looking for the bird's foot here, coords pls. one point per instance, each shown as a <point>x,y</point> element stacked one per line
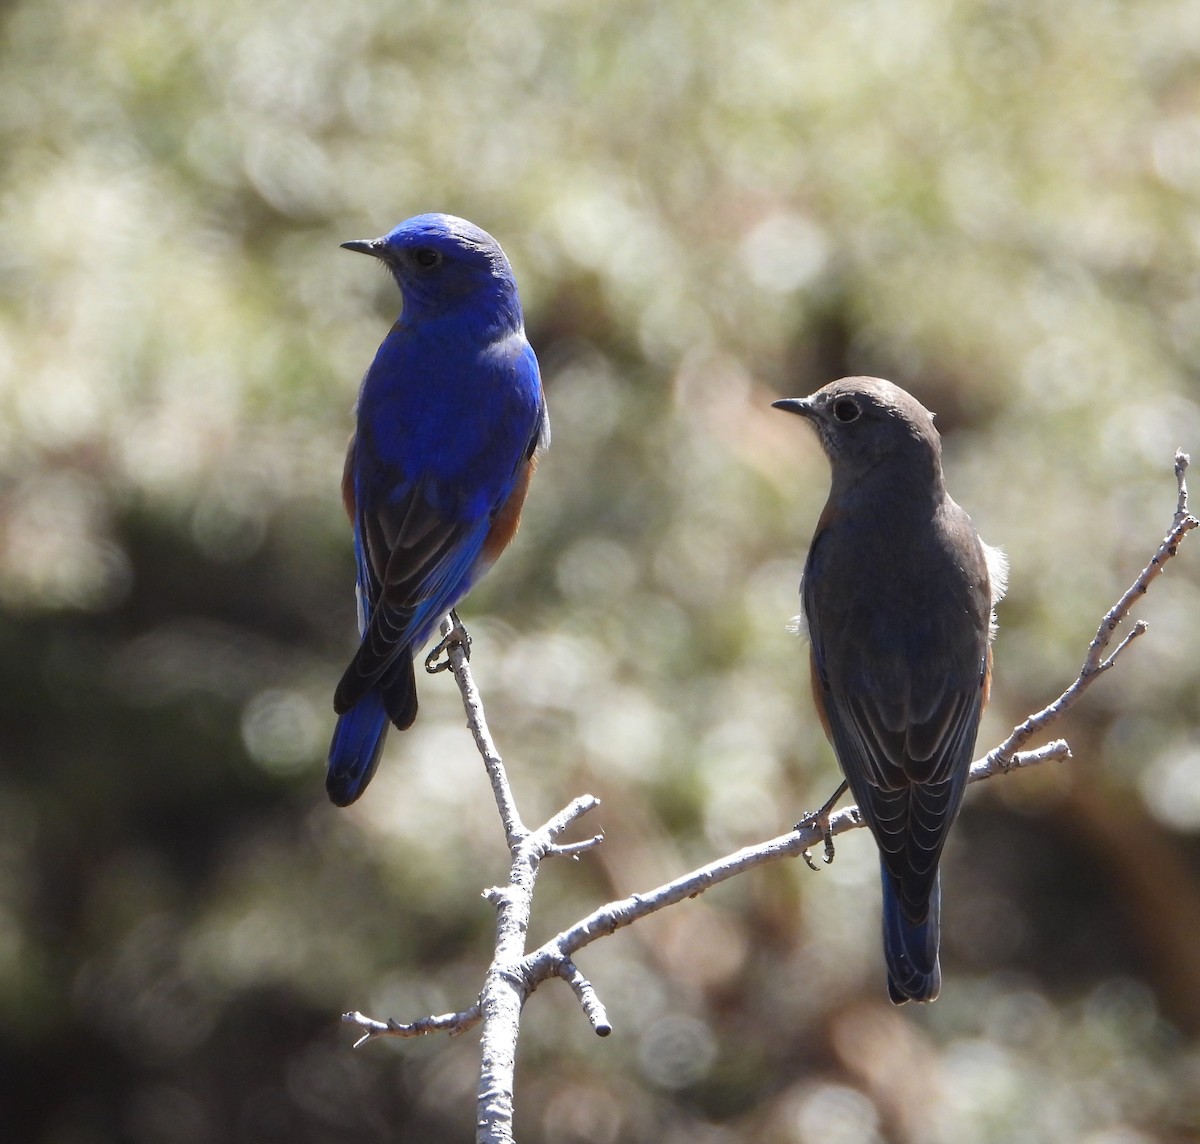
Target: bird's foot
<point>457,636</point>
<point>820,820</point>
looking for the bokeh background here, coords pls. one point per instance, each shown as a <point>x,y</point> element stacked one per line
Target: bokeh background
<point>996,204</point>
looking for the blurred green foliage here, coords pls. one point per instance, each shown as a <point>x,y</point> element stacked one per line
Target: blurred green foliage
<point>996,204</point>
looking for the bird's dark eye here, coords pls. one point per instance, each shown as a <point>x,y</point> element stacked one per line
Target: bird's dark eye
<point>426,257</point>
<point>846,410</point>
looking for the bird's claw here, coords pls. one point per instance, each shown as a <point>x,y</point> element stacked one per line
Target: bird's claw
<point>826,834</point>
<point>457,636</point>
<point>820,819</point>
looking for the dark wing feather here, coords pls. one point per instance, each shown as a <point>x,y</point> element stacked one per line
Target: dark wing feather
<point>909,817</point>
<point>412,560</point>
<point>905,756</point>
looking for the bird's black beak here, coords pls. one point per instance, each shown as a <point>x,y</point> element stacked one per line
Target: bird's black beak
<point>373,246</point>
<point>800,405</point>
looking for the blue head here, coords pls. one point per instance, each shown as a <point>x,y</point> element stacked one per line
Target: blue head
<point>441,262</point>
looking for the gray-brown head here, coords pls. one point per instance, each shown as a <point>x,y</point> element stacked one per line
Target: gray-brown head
<point>863,421</point>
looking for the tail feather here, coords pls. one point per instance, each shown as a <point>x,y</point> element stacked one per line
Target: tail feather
<point>911,947</point>
<point>357,744</point>
<point>399,688</point>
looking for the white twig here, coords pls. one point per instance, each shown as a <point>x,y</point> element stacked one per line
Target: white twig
<point>505,986</point>
<point>440,1023</point>
<point>573,850</point>
<point>589,999</point>
<point>458,656</point>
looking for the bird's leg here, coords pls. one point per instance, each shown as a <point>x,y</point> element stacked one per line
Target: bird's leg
<point>456,636</point>
<point>820,819</point>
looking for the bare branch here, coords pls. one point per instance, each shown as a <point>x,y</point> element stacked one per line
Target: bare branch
<point>593,1007</point>
<point>616,915</point>
<point>442,1023</point>
<point>1095,664</point>
<point>457,653</point>
<point>507,984</point>
<point>573,850</point>
<point>514,974</point>
<point>1182,460</point>
<point>992,763</point>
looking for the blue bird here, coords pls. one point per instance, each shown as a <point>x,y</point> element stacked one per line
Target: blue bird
<point>450,422</point>
<point>898,596</point>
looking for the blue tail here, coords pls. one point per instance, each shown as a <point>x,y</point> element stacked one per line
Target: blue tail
<point>356,747</point>
<point>911,949</point>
